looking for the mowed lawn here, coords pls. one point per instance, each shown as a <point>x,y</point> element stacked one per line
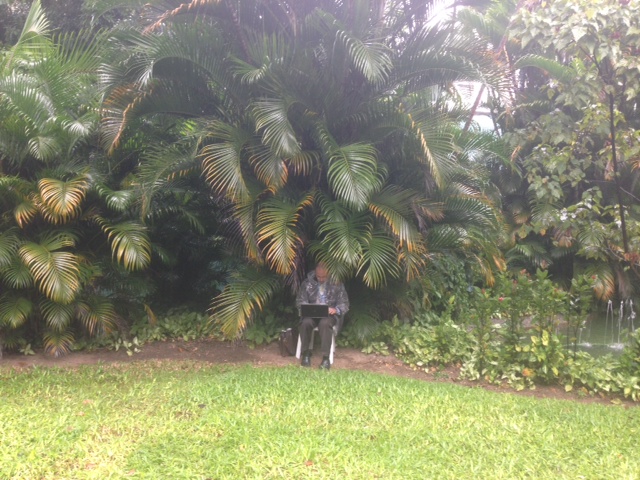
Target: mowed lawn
<point>177,420</point>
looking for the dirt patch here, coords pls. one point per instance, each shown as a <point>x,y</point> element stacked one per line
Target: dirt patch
<point>216,352</point>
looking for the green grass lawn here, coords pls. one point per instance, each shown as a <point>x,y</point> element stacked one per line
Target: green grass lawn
<point>194,421</point>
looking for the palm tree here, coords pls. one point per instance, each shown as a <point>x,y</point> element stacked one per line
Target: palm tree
<point>326,129</point>
<point>55,197</point>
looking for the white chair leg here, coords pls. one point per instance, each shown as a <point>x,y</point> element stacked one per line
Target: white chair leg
<point>299,347</point>
<point>333,345</point>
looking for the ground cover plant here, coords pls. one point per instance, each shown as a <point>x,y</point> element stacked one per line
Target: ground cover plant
<point>192,420</point>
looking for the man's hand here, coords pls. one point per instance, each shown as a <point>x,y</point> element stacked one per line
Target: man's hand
<point>332,311</point>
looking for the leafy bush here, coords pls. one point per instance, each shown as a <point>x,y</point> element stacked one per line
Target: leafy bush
<point>429,341</point>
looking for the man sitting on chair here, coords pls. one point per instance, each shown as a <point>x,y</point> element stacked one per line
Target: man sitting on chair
<point>320,288</point>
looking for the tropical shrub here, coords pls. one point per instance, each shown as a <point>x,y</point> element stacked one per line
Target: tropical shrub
<point>61,218</point>
<point>326,131</point>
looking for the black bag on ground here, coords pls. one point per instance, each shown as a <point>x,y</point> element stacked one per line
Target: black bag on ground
<point>288,342</point>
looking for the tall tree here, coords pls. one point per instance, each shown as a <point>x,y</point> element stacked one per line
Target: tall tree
<point>582,168</point>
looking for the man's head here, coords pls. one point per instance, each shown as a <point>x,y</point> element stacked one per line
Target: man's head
<point>322,274</point>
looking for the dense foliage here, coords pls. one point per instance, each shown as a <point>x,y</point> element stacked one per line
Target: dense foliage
<point>218,149</point>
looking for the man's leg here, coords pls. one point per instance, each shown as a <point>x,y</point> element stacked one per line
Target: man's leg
<point>306,327</point>
<point>326,336</point>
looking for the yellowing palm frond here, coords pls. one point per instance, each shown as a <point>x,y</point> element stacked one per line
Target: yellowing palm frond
<point>96,313</point>
<point>25,212</point>
<point>278,228</point>
<point>247,292</point>
<point>58,343</point>
<point>130,244</point>
<point>222,161</point>
<point>393,205</point>
<point>55,272</point>
<point>62,200</point>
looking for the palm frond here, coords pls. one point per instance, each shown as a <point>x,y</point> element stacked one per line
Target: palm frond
<point>116,200</point>
<point>393,205</point>
<point>57,316</point>
<point>25,212</point>
<point>58,343</point>
<point>32,39</point>
<point>96,314</point>
<point>16,274</point>
<point>9,243</point>
<point>604,284</point>
<point>379,260</point>
<point>272,119</point>
<point>222,161</point>
<point>278,228</point>
<point>371,59</point>
<point>62,200</point>
<point>557,70</point>
<point>353,174</point>
<point>14,310</point>
<point>270,169</point>
<point>55,272</point>
<point>341,235</point>
<point>130,244</point>
<point>246,293</point>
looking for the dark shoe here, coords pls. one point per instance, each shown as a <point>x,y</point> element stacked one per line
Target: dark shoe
<point>325,365</point>
<point>306,359</point>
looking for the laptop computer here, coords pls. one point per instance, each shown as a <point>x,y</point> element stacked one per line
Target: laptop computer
<point>314,310</point>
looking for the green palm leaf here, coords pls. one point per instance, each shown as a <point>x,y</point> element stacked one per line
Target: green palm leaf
<point>16,274</point>
<point>57,316</point>
<point>130,244</point>
<point>9,243</point>
<point>379,260</point>
<point>32,39</point>
<point>247,292</point>
<point>277,132</point>
<point>117,200</point>
<point>56,273</point>
<point>14,310</point>
<point>341,235</point>
<point>278,228</point>
<point>270,169</point>
<point>222,161</point>
<point>353,174</point>
<point>371,59</point>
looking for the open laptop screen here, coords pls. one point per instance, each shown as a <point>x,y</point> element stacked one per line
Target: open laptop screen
<point>314,310</point>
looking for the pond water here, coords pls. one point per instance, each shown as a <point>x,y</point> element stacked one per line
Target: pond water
<point>608,333</point>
